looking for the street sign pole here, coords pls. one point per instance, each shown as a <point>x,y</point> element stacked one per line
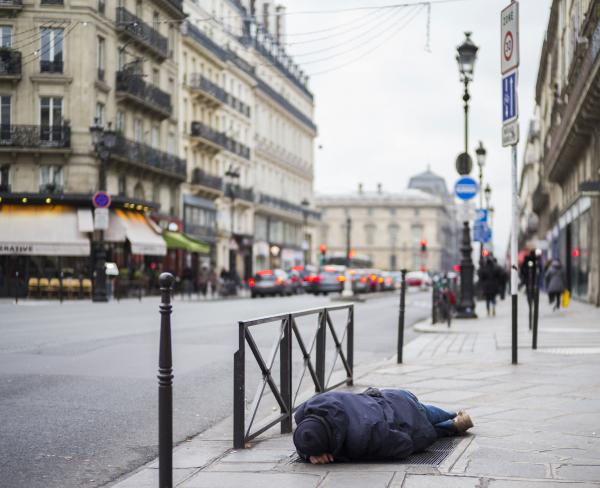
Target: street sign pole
<point>509,64</point>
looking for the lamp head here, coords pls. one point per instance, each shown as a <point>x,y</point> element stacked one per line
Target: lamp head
<point>481,154</point>
<point>466,57</point>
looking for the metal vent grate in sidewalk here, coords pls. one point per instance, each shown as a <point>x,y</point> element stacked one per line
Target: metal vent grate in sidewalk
<point>434,455</point>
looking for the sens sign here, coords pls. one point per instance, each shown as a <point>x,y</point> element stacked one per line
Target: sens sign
<point>509,28</point>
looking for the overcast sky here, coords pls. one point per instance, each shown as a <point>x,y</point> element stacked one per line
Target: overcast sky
<point>398,109</point>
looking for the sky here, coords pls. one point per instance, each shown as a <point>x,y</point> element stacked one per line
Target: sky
<point>395,108</point>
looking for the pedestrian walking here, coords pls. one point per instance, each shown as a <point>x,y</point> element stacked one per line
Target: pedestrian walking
<point>502,278</point>
<point>393,425</point>
<point>489,280</point>
<point>555,283</point>
<point>213,280</point>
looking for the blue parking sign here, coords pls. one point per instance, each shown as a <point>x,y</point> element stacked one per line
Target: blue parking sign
<point>509,97</point>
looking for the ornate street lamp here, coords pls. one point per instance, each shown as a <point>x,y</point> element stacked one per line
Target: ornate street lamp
<point>104,142</point>
<point>466,57</point>
<point>481,153</point>
<point>488,195</point>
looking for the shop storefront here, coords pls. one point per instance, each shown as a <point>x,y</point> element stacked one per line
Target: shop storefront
<point>40,244</point>
<point>570,241</point>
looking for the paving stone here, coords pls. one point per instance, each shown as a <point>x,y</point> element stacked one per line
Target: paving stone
<point>420,481</point>
<point>538,484</point>
<point>578,472</point>
<point>492,468</point>
<point>257,456</point>
<point>148,478</point>
<point>251,480</point>
<point>357,480</point>
<point>242,467</point>
<point>196,454</point>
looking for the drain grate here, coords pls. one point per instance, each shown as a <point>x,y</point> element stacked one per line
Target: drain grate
<point>434,455</point>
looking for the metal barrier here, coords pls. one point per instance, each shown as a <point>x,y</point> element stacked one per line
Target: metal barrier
<point>283,344</point>
<point>401,317</point>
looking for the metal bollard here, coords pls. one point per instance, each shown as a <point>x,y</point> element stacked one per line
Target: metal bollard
<point>536,305</point>
<point>434,307</point>
<point>529,290</point>
<point>16,287</point>
<point>165,386</point>
<point>60,289</point>
<point>401,316</point>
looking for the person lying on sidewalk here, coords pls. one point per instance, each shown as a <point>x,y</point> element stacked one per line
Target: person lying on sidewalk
<point>387,424</point>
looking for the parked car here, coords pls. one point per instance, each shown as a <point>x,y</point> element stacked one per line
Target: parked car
<point>418,279</point>
<point>303,272</point>
<point>270,282</point>
<point>360,281</point>
<point>389,282</point>
<point>329,280</point>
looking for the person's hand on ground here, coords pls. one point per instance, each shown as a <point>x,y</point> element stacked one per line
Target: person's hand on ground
<point>322,459</point>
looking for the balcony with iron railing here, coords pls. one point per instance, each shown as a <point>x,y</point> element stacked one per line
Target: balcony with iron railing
<point>51,66</point>
<point>203,233</point>
<point>203,40</point>
<point>208,90</point>
<point>207,137</point>
<point>142,34</point>
<point>32,137</point>
<point>10,64</point>
<point>201,178</point>
<point>147,157</point>
<point>287,206</point>
<point>132,87</point>
<point>239,192</point>
<point>10,7</point>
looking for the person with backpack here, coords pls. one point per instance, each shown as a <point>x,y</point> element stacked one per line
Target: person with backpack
<point>555,282</point>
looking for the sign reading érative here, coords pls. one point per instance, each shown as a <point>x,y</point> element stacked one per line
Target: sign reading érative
<point>509,28</point>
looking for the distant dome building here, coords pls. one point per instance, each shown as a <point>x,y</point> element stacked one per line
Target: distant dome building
<point>429,182</point>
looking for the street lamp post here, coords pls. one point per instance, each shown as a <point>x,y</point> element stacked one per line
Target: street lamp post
<point>347,292</point>
<point>481,153</point>
<point>103,141</point>
<point>466,57</point>
<point>232,176</point>
<point>305,246</point>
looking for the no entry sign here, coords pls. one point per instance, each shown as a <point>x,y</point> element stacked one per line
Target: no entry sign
<point>509,28</point>
<point>101,199</point>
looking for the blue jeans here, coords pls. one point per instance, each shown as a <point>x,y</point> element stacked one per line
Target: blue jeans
<point>441,420</point>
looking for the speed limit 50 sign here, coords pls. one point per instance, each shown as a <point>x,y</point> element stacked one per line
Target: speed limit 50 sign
<point>510,37</point>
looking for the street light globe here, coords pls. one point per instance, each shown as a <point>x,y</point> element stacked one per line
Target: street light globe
<point>466,57</point>
<point>481,154</point>
<point>487,191</point>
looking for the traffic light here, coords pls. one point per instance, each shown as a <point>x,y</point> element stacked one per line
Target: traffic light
<point>485,253</point>
<point>323,249</point>
<point>423,245</point>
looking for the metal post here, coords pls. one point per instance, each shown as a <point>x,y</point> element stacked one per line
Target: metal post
<point>239,389</point>
<point>350,345</point>
<point>285,373</point>
<point>529,291</point>
<point>165,386</point>
<point>17,287</point>
<point>401,316</point>
<point>536,305</point>
<point>433,304</point>
<point>466,306</point>
<point>514,279</point>
<point>60,288</point>
<point>321,344</point>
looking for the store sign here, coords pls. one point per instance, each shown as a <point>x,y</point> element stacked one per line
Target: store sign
<point>16,249</point>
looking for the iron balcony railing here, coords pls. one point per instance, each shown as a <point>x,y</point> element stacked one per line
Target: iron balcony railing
<point>35,136</point>
<point>204,84</point>
<point>201,232</point>
<point>146,94</point>
<point>205,41</point>
<point>287,389</point>
<point>199,177</point>
<point>288,206</point>
<point>10,63</point>
<point>281,100</point>
<point>47,66</point>
<point>142,154</point>
<point>142,33</point>
<point>51,188</point>
<point>11,4</point>
<point>199,129</point>
<point>52,2</point>
<point>237,191</point>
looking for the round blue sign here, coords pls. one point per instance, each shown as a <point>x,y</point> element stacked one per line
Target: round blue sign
<point>465,188</point>
<point>101,199</point>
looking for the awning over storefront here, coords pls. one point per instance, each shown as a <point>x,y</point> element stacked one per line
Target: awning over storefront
<point>52,230</point>
<point>178,240</point>
<point>138,230</point>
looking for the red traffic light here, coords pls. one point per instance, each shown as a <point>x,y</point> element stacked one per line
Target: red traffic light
<point>457,268</point>
<point>323,248</point>
<point>485,253</point>
<point>423,243</point>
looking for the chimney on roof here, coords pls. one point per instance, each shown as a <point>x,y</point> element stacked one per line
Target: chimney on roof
<point>360,188</point>
<point>379,188</point>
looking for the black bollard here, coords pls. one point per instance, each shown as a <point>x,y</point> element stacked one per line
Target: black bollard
<point>536,304</point>
<point>529,290</point>
<point>16,287</point>
<point>434,307</point>
<point>60,288</point>
<point>165,386</point>
<point>401,316</point>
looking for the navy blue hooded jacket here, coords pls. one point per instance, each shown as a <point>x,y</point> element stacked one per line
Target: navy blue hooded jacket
<point>374,425</point>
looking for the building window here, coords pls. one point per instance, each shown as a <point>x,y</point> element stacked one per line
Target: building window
<point>120,57</point>
<point>5,178</point>
<point>122,186</point>
<point>5,105</point>
<point>120,126</point>
<point>51,118</point>
<point>370,234</point>
<point>6,36</point>
<point>392,211</point>
<point>171,143</point>
<point>138,130</point>
<point>101,7</point>
<point>139,11</point>
<point>101,58</point>
<point>51,179</point>
<point>155,142</point>
<point>138,192</point>
<point>417,233</point>
<point>156,21</point>
<point>393,263</point>
<point>156,194</point>
<point>51,50</point>
<point>100,114</point>
<point>155,77</point>
<point>171,42</point>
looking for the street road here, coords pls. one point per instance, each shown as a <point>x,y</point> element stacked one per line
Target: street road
<point>78,388</point>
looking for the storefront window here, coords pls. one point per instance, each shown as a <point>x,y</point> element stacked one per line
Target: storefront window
<point>51,179</point>
<point>4,178</point>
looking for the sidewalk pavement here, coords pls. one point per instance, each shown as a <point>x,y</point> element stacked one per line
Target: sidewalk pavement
<point>537,424</point>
